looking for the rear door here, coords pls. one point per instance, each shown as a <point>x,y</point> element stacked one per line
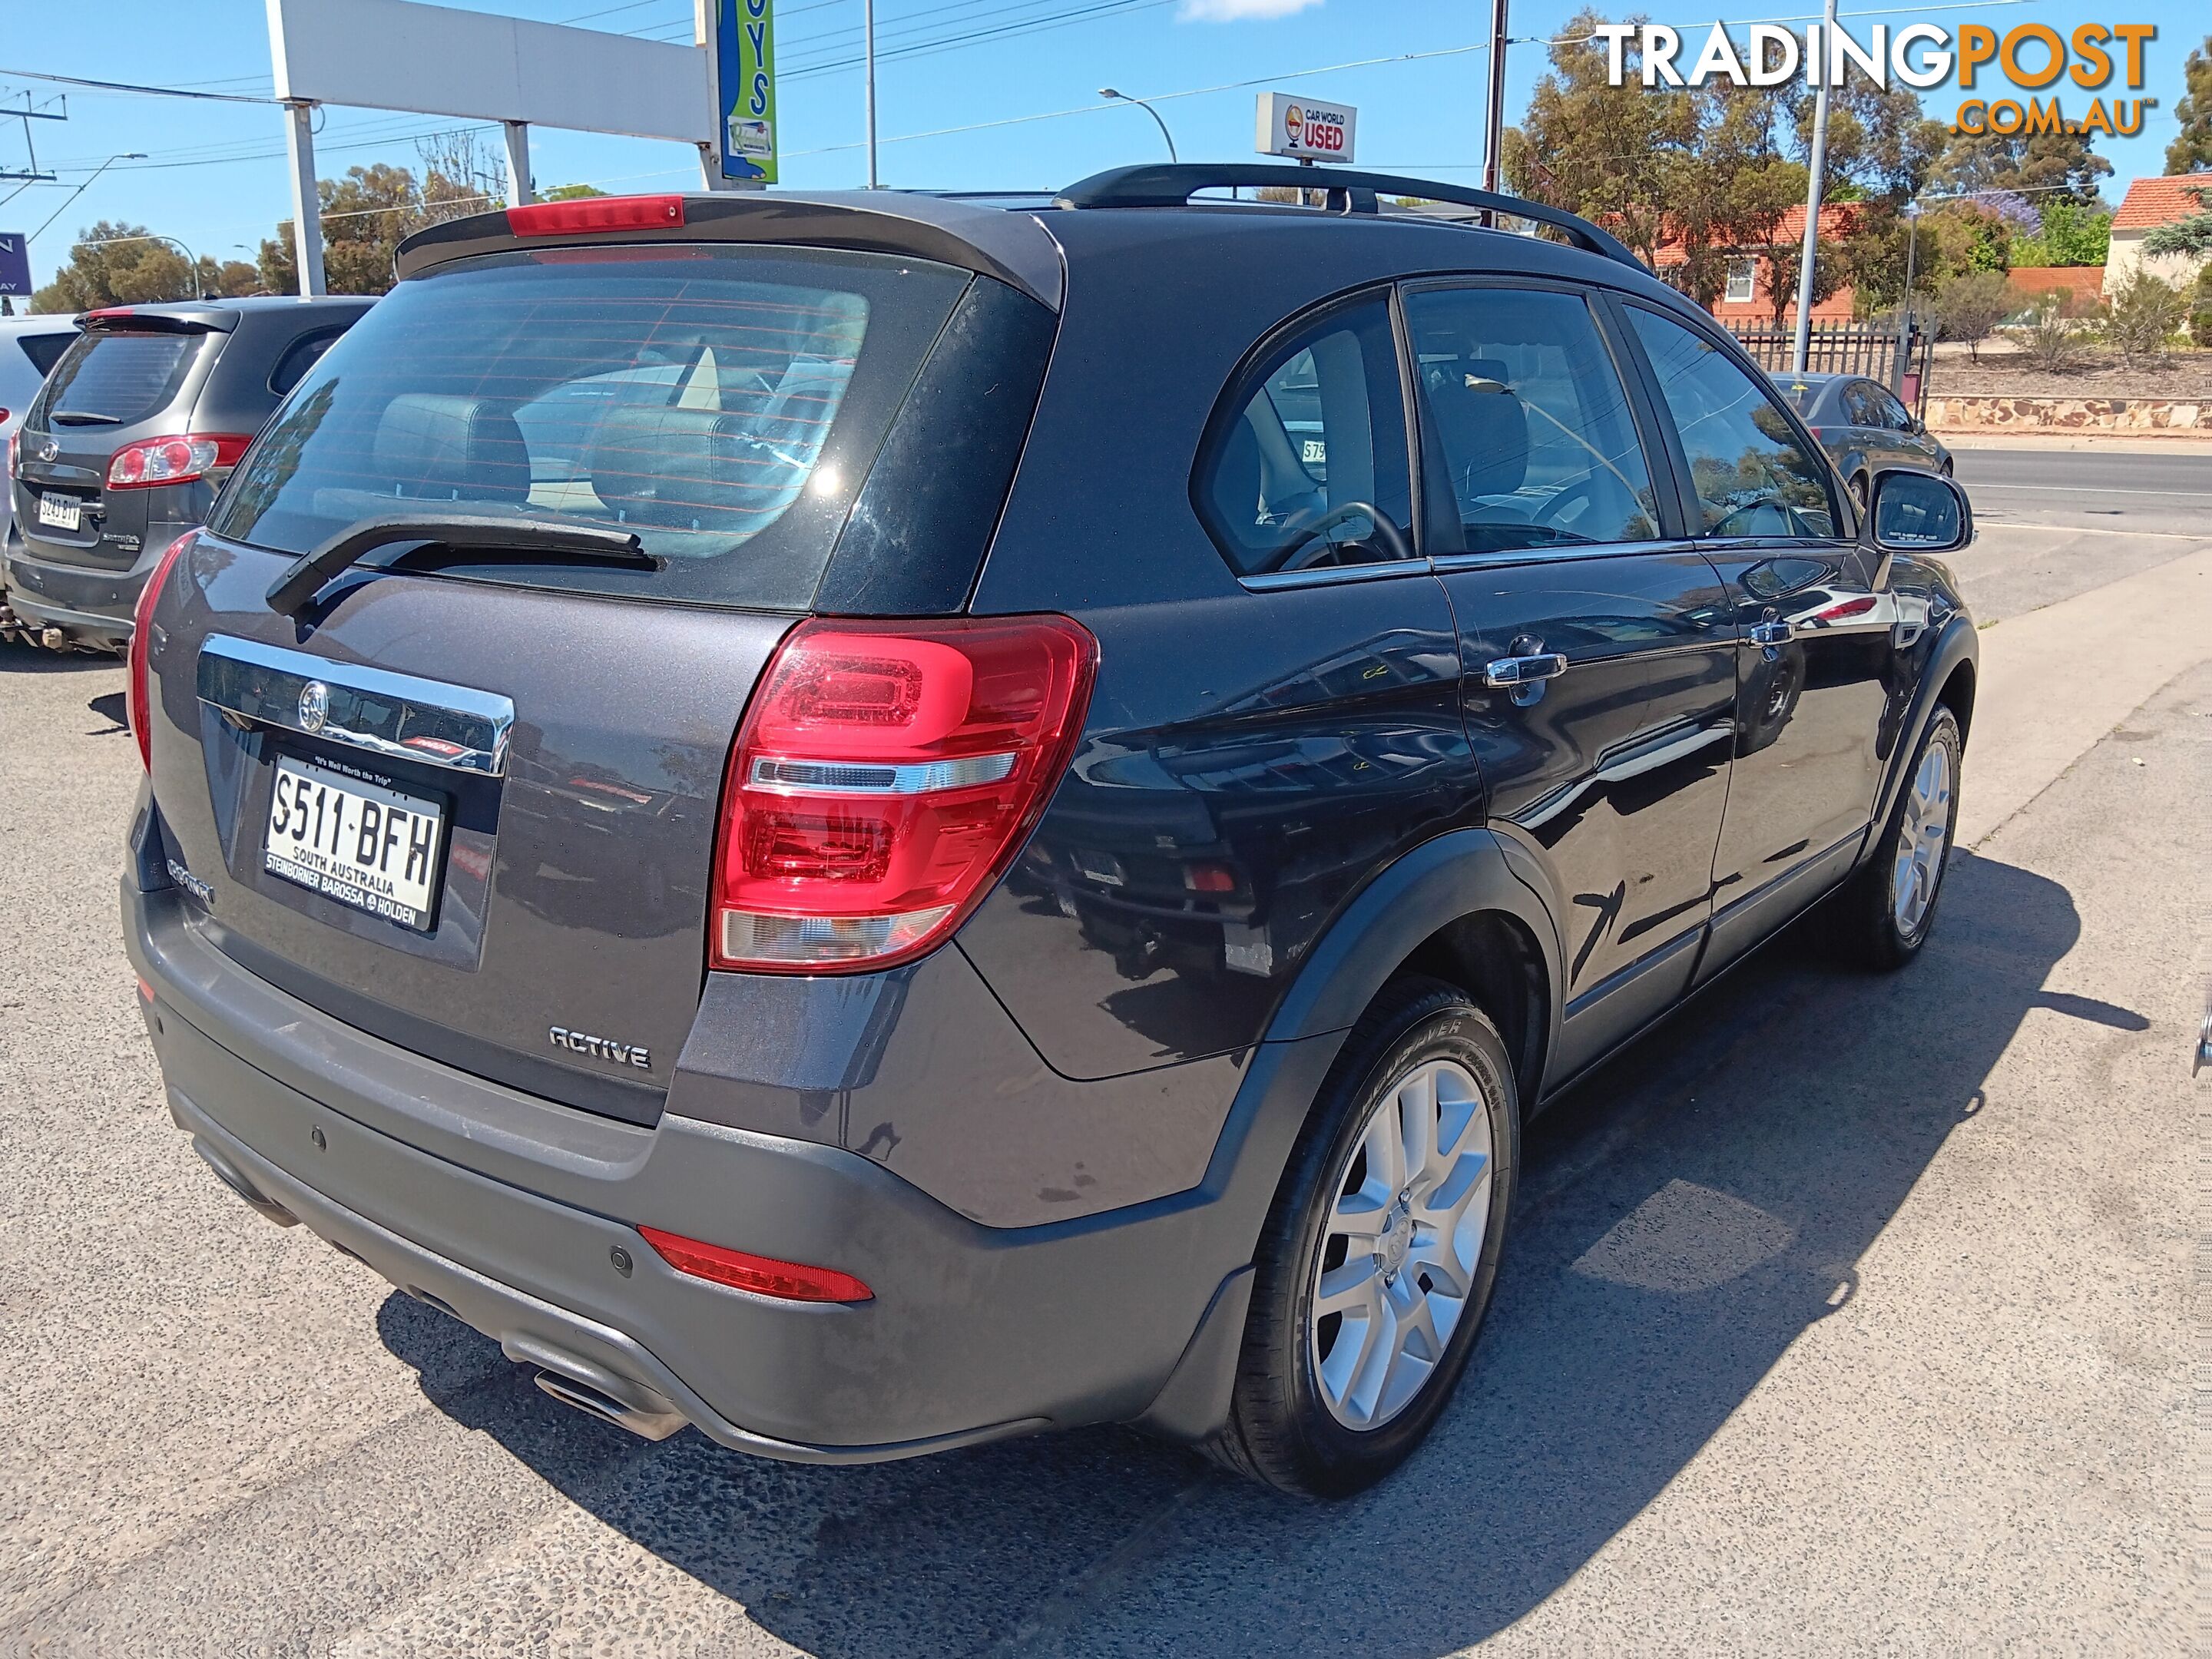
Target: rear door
<point>1814,645</point>
<point>123,379</point>
<point>473,807</point>
<point>1597,658</point>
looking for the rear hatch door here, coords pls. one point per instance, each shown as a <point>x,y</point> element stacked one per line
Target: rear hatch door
<point>129,376</point>
<point>469,803</point>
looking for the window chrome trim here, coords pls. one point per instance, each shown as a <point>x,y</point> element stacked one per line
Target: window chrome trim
<point>1271,581</point>
<point>453,727</point>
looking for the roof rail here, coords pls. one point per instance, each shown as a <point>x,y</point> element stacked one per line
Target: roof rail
<point>1350,190</point>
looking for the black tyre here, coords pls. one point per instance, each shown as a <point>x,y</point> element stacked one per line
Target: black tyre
<point>1376,1266</point>
<point>1885,911</point>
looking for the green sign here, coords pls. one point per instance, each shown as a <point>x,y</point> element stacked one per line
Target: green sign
<point>744,81</point>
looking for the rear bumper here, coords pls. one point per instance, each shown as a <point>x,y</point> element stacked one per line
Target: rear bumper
<point>512,1213</point>
<point>92,605</point>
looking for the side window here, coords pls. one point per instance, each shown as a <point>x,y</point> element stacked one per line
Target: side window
<point>1529,421</point>
<point>1306,465</point>
<point>299,358</point>
<point>1892,411</point>
<point>1752,476</point>
<point>1859,406</point>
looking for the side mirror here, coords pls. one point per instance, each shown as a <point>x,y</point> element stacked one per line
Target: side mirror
<point>1914,511</point>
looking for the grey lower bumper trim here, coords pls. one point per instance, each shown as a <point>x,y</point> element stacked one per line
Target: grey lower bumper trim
<point>610,1361</point>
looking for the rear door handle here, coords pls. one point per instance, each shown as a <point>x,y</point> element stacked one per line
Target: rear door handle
<point>1524,671</point>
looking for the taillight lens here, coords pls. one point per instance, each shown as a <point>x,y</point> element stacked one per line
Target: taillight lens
<point>152,461</point>
<point>884,776</point>
<point>762,1274</point>
<point>141,688</point>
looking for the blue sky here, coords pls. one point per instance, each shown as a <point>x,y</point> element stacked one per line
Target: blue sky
<point>214,174</point>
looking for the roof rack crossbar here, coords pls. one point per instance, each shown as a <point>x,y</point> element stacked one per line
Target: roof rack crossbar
<point>1161,183</point>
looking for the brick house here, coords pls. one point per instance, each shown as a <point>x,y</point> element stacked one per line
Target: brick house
<point>2149,203</point>
<point>1746,299</point>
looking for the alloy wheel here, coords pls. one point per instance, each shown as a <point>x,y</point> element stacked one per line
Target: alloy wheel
<point>1922,834</point>
<point>1401,1244</point>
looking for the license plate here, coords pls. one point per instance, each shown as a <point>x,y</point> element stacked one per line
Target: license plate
<point>357,842</point>
<point>61,511</point>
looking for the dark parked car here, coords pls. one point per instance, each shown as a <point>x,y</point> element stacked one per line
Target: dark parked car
<point>124,447</point>
<point>1006,832</point>
<point>1864,428</point>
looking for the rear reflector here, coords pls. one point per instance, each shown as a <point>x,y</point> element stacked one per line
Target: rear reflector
<point>596,213</point>
<point>139,687</point>
<point>763,1275</point>
<point>884,776</point>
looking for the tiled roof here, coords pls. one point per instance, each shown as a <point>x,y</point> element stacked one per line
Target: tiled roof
<point>2161,201</point>
<point>1836,223</point>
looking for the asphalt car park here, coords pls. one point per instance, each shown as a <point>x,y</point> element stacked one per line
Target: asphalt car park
<point>1846,1312</point>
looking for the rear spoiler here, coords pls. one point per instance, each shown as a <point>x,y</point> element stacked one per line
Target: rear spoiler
<point>158,319</point>
<point>988,240</point>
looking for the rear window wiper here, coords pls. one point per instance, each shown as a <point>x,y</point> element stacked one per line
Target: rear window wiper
<point>83,418</point>
<point>451,534</point>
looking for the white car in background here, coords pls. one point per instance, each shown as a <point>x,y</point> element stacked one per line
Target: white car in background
<point>29,348</point>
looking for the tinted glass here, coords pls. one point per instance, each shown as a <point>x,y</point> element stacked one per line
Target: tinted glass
<point>1752,476</point>
<point>1889,412</point>
<point>723,404</point>
<point>1860,408</point>
<point>1530,419</point>
<point>118,379</point>
<point>1313,451</point>
<point>299,358</point>
<point>1805,394</point>
<point>45,350</point>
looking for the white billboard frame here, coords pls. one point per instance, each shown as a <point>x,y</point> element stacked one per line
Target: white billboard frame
<point>439,60</point>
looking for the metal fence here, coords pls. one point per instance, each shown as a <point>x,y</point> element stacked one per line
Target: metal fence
<point>1867,348</point>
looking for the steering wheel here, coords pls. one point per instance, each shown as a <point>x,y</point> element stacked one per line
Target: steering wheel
<point>1728,526</point>
<point>1310,549</point>
<point>1581,493</point>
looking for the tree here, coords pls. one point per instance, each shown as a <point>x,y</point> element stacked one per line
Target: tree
<point>2191,149</point>
<point>2191,237</point>
<point>1971,304</point>
<point>367,215</point>
<point>571,193</point>
<point>2143,314</point>
<point>232,279</point>
<point>1618,154</point>
<point>113,263</point>
<point>2067,233</point>
<point>2043,164</point>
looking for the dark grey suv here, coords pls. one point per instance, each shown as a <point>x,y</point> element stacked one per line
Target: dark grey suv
<point>874,822</point>
<point>136,428</point>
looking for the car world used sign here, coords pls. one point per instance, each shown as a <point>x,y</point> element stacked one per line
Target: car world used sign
<point>1304,129</point>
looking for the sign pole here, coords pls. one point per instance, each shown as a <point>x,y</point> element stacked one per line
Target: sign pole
<point>1493,126</point>
<point>868,28</point>
<point>1814,183</point>
<point>518,163</point>
<point>307,200</point>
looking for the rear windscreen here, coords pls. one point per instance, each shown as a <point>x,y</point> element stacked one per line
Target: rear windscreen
<point>725,404</point>
<point>118,379</point>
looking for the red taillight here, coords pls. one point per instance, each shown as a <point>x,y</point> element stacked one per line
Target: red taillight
<point>140,690</point>
<point>884,776</point>
<point>152,461</point>
<point>596,213</point>
<point>1209,878</point>
<point>764,1275</point>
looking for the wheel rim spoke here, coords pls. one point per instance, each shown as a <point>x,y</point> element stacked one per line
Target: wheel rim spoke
<point>1925,828</point>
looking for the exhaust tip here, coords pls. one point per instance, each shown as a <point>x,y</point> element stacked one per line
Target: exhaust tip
<point>262,1205</point>
<point>645,1424</point>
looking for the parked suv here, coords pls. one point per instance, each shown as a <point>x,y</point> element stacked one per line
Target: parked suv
<point>873,822</point>
<point>137,426</point>
<point>29,348</point>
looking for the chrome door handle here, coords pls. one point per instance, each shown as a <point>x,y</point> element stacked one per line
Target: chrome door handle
<point>1524,671</point>
<point>1769,633</point>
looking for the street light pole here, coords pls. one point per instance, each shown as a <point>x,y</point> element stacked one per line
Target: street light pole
<point>1109,91</point>
<point>1493,126</point>
<point>868,49</point>
<point>1815,183</point>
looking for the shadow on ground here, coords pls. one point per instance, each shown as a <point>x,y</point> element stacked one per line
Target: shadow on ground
<point>1685,1215</point>
<point>18,659</point>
